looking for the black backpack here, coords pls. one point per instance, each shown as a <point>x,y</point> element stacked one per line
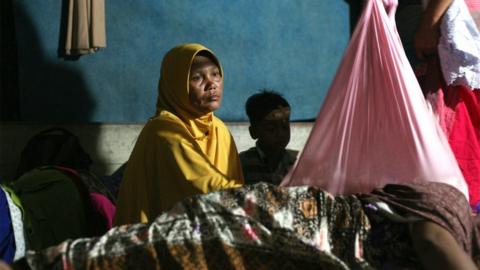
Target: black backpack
<point>53,146</point>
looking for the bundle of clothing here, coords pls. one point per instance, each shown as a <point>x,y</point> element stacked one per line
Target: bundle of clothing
<point>374,127</point>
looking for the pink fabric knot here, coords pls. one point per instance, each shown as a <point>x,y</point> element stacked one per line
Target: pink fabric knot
<point>390,7</point>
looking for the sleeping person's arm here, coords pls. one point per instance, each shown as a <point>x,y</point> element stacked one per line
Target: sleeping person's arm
<point>437,249</point>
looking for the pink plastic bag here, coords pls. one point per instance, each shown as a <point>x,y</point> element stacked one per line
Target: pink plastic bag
<point>374,126</point>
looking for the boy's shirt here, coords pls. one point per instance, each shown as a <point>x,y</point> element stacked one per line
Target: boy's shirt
<point>255,168</point>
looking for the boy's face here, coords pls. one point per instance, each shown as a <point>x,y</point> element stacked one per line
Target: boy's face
<point>273,131</point>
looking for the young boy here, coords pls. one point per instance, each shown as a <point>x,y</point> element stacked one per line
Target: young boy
<point>268,161</point>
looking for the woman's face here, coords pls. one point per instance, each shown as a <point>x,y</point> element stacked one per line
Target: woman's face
<point>206,84</point>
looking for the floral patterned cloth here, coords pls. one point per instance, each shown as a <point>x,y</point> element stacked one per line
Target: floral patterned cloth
<point>259,227</point>
<point>255,227</point>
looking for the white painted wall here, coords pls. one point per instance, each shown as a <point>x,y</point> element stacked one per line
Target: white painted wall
<point>109,145</point>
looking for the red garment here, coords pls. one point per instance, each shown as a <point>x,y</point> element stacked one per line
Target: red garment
<point>104,207</point>
<point>458,112</point>
<point>458,109</point>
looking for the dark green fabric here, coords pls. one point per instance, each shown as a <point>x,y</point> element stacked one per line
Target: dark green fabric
<point>53,207</point>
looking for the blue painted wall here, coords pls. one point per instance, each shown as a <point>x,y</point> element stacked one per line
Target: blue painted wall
<point>292,46</point>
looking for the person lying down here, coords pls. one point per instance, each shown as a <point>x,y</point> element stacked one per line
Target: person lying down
<point>262,226</point>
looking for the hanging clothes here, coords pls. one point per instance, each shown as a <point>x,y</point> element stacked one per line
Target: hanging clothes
<point>458,110</point>
<point>459,46</point>
<point>451,85</point>
<point>85,29</point>
<point>374,126</point>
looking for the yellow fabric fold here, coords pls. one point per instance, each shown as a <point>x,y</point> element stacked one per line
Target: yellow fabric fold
<point>177,154</point>
<point>85,31</point>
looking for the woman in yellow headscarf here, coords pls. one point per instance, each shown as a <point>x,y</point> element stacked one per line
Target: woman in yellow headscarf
<point>184,149</point>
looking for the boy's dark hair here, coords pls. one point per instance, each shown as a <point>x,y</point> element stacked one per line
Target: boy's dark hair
<point>259,105</point>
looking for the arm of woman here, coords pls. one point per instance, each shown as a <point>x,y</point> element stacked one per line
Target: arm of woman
<point>181,171</point>
<point>182,160</point>
<point>165,167</point>
<point>188,163</point>
<point>428,33</point>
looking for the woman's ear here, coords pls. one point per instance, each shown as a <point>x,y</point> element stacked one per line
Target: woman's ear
<point>253,132</point>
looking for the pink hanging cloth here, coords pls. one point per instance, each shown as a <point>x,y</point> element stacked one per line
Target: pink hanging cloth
<point>374,126</point>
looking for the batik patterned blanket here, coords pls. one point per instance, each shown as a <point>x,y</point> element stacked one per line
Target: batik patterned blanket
<point>268,227</point>
<point>255,227</point>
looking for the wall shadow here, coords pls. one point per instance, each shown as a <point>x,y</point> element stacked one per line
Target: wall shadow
<point>9,99</point>
<point>51,92</point>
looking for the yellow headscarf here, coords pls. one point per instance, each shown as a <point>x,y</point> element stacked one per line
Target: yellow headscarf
<point>177,154</point>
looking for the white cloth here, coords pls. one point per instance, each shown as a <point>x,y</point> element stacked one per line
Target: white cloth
<point>17,225</point>
<point>459,47</point>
